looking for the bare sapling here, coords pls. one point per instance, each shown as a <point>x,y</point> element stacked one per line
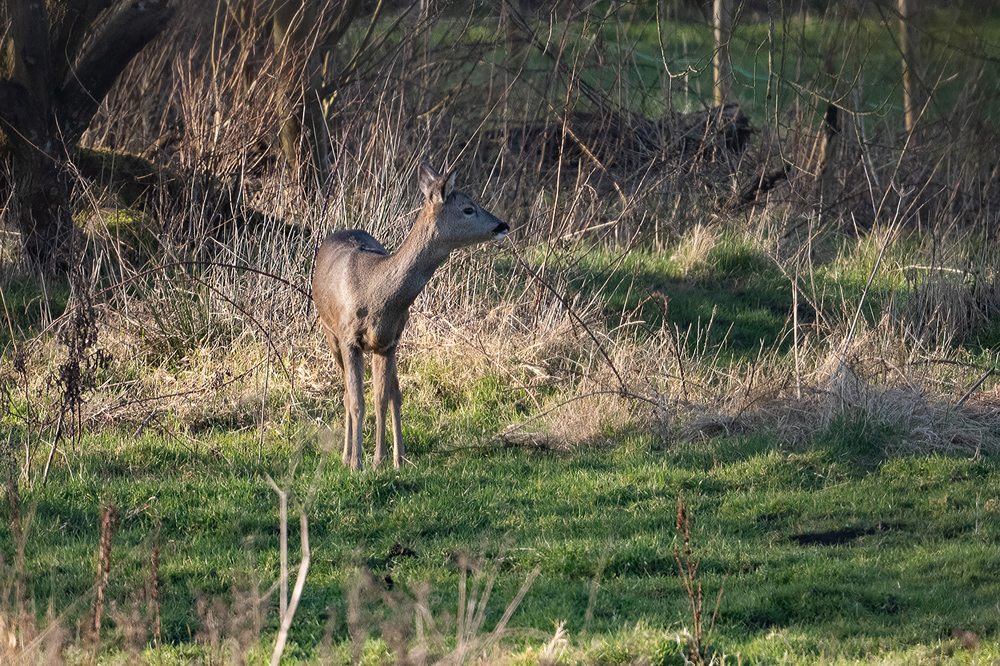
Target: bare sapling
<point>109,525</point>
<point>363,296</point>
<point>699,653</point>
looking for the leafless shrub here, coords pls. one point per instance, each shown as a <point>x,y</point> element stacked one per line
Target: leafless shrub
<point>78,374</point>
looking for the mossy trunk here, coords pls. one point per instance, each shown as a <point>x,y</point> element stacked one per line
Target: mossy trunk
<point>60,69</point>
<point>42,189</point>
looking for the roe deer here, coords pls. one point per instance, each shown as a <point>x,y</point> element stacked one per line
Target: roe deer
<point>363,296</point>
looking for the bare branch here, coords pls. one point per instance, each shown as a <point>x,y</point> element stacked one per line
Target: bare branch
<point>106,56</point>
<point>300,582</point>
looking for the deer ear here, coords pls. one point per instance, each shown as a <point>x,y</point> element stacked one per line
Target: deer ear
<point>447,185</point>
<point>428,180</point>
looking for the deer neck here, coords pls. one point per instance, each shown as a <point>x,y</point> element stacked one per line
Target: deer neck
<point>412,265</point>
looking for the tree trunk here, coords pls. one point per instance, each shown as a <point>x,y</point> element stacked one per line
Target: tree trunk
<point>61,71</point>
<point>41,191</point>
<point>315,117</point>
<point>304,135</point>
<point>290,26</point>
<point>722,18</point>
<point>907,50</point>
<point>827,153</point>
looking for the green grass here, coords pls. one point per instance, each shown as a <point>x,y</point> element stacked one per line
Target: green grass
<point>854,61</point>
<point>28,304</point>
<point>920,561</point>
<point>739,290</point>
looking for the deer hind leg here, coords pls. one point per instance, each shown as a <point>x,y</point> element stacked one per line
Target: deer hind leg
<point>348,426</point>
<point>354,394</point>
<point>387,394</point>
<point>348,439</point>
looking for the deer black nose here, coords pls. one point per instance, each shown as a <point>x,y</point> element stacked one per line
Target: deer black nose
<point>500,231</point>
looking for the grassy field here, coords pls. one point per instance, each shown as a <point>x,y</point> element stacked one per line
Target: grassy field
<point>843,545</point>
<point>834,550</point>
<point>656,418</point>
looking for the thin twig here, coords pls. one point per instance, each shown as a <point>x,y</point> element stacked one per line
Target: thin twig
<point>283,544</point>
<point>174,264</point>
<point>145,423</point>
<point>517,426</point>
<point>490,358</point>
<point>676,348</point>
<point>52,451</point>
<point>974,387</point>
<point>864,294</point>
<point>574,315</point>
<point>300,582</point>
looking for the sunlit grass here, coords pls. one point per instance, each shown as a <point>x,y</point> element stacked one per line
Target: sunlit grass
<point>901,549</point>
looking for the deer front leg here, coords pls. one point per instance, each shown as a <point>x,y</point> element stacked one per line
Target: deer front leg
<point>380,386</point>
<point>348,433</point>
<point>396,401</point>
<point>354,389</point>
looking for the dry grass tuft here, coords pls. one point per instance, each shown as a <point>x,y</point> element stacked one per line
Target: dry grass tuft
<point>692,252</point>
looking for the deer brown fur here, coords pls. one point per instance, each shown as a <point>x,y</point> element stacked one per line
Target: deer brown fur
<point>363,296</point>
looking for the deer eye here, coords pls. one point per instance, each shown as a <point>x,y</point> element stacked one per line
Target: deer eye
<point>469,211</point>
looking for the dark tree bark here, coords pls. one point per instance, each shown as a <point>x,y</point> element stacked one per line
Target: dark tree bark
<point>305,34</point>
<point>66,55</point>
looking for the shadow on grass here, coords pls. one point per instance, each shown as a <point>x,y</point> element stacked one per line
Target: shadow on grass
<point>834,541</point>
<point>29,304</point>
